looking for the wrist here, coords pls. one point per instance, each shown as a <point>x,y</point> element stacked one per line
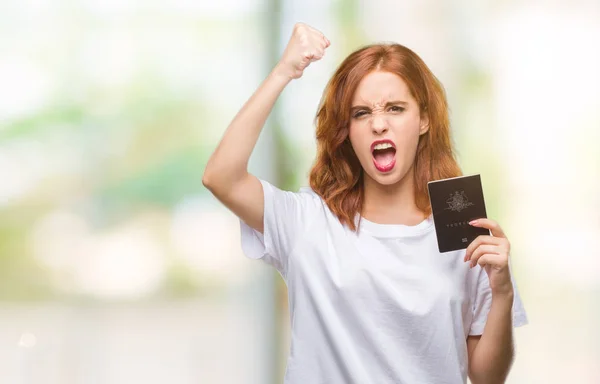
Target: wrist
<point>280,73</point>
<point>503,297</point>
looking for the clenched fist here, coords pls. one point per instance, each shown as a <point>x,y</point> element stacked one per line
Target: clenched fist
<point>305,46</point>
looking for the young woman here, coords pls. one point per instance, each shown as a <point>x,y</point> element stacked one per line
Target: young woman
<point>371,298</point>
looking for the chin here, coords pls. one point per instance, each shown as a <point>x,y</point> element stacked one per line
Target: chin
<point>394,176</point>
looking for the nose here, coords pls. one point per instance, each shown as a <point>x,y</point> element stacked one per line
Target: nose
<point>379,125</point>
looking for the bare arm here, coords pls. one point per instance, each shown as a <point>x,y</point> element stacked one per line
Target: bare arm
<point>226,173</point>
<point>491,354</point>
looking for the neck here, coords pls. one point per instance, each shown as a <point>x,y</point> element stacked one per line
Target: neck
<point>392,204</point>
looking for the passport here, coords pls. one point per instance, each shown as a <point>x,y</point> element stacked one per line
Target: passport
<point>455,202</point>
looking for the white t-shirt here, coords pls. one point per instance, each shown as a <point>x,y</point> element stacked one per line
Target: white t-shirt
<point>381,306</point>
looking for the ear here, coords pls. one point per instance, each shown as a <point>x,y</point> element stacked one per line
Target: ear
<point>424,127</point>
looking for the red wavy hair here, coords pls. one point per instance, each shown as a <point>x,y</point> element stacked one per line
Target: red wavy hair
<point>337,175</point>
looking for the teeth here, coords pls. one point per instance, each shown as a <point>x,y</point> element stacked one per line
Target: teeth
<point>383,146</point>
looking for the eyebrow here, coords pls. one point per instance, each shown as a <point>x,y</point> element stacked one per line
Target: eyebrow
<point>395,102</point>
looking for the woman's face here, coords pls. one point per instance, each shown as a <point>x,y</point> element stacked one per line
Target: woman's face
<point>385,126</point>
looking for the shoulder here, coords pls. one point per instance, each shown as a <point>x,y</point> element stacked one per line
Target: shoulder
<point>310,194</point>
<point>301,202</point>
<point>312,200</point>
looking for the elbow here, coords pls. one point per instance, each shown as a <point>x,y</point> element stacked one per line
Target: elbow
<point>206,180</point>
<point>218,181</point>
<point>209,178</point>
<point>209,181</point>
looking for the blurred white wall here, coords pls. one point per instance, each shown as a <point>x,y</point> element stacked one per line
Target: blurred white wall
<point>95,96</point>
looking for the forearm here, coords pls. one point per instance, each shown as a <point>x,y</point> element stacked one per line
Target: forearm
<point>493,355</point>
<point>229,162</point>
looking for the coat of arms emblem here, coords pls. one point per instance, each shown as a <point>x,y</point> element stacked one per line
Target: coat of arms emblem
<point>458,201</point>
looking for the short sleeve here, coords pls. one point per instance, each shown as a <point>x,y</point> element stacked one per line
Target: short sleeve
<point>285,218</point>
<point>483,302</point>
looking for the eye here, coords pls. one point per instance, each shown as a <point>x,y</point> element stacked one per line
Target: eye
<point>395,108</point>
<point>359,114</point>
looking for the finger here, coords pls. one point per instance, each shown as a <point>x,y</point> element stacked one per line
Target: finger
<point>319,41</point>
<point>308,56</point>
<point>492,260</point>
<point>317,33</point>
<point>481,250</point>
<point>486,259</point>
<point>479,240</point>
<point>318,54</point>
<point>482,239</point>
<point>488,224</point>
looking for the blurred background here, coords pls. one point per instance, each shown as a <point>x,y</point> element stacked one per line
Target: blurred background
<point>117,266</point>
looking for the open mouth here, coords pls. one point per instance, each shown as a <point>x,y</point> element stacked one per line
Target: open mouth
<point>384,155</point>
